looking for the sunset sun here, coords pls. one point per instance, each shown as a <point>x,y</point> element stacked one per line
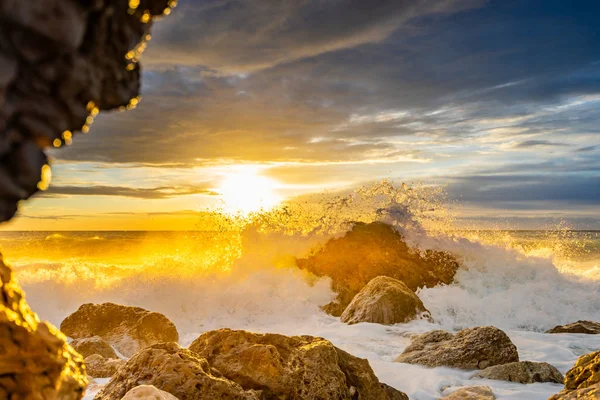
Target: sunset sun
<point>244,190</point>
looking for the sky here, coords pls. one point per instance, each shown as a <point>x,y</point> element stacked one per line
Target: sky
<point>498,101</point>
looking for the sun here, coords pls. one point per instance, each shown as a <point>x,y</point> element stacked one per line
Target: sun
<point>244,190</point>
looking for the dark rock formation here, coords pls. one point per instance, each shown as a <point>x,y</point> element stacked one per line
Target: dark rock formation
<point>128,329</point>
<point>522,372</point>
<point>386,301</point>
<point>100,367</point>
<point>61,62</point>
<point>372,250</point>
<point>587,327</point>
<point>296,367</point>
<point>583,380</point>
<point>471,393</point>
<point>473,348</point>
<point>175,370</point>
<point>94,345</point>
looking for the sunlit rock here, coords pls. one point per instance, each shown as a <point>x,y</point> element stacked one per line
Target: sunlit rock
<point>35,360</point>
<point>296,367</point>
<point>101,367</point>
<point>148,392</point>
<point>522,372</point>
<point>386,301</point>
<point>372,250</point>
<point>473,348</point>
<point>128,329</point>
<point>471,393</point>
<point>175,370</point>
<point>583,380</point>
<point>587,327</point>
<point>94,345</point>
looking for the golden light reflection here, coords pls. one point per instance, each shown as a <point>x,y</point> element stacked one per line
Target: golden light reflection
<point>244,190</point>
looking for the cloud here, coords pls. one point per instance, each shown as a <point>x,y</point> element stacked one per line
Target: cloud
<point>538,143</point>
<point>123,191</point>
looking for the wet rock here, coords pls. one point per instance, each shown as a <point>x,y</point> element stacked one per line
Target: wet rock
<point>175,370</point>
<point>587,393</point>
<point>473,348</point>
<point>588,327</point>
<point>296,367</point>
<point>100,367</point>
<point>472,393</point>
<point>94,345</point>
<point>372,250</point>
<point>522,372</point>
<point>385,301</point>
<point>583,380</point>
<point>35,359</point>
<point>128,329</point>
<point>148,392</point>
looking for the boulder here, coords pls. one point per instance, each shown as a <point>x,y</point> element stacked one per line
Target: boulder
<point>296,367</point>
<point>175,370</point>
<point>587,327</point>
<point>100,367</point>
<point>522,372</point>
<point>147,392</point>
<point>94,345</point>
<point>385,301</point>
<point>582,379</point>
<point>473,348</point>
<point>371,250</point>
<point>127,329</point>
<point>35,360</point>
<point>472,393</point>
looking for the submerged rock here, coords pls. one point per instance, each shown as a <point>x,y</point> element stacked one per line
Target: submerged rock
<point>372,250</point>
<point>583,380</point>
<point>386,301</point>
<point>100,367</point>
<point>128,329</point>
<point>473,348</point>
<point>35,360</point>
<point>588,327</point>
<point>295,367</point>
<point>522,372</point>
<point>472,393</point>
<point>94,345</point>
<point>148,392</point>
<point>175,370</point>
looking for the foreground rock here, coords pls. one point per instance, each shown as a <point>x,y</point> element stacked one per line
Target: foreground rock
<point>385,301</point>
<point>474,348</point>
<point>583,380</point>
<point>128,329</point>
<point>94,345</point>
<point>372,250</point>
<point>471,393</point>
<point>175,370</point>
<point>587,327</point>
<point>148,393</point>
<point>522,372</point>
<point>296,367</point>
<point>100,367</point>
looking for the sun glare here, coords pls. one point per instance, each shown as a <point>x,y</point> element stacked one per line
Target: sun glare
<point>244,190</point>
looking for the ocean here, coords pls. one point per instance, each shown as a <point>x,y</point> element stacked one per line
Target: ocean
<point>523,282</point>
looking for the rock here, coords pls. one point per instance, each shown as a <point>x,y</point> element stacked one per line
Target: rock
<point>473,348</point>
<point>471,393</point>
<point>35,360</point>
<point>393,394</point>
<point>94,345</point>
<point>128,329</point>
<point>372,250</point>
<point>588,393</point>
<point>582,379</point>
<point>588,327</point>
<point>149,393</point>
<point>175,370</point>
<point>522,372</point>
<point>296,367</point>
<point>385,301</point>
<point>100,367</point>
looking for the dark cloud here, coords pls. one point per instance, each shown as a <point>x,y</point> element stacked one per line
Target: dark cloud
<point>122,191</point>
<point>538,143</point>
<point>587,148</point>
